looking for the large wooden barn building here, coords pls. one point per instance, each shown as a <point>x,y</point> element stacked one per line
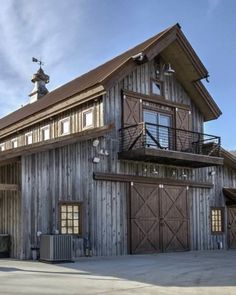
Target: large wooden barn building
<point>118,158</point>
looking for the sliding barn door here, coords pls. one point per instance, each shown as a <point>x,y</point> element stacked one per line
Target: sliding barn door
<point>132,111</point>
<point>158,218</point>
<point>174,218</point>
<point>144,218</point>
<point>184,123</point>
<point>132,116</point>
<point>232,227</point>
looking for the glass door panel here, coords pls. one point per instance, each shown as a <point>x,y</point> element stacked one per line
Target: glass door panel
<point>164,132</point>
<point>150,117</point>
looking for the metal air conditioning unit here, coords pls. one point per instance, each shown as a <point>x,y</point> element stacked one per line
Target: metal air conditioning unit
<point>55,248</point>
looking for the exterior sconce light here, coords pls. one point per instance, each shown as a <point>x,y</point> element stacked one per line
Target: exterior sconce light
<point>139,57</point>
<point>166,70</point>
<point>184,175</point>
<point>95,142</point>
<point>96,160</point>
<point>211,173</point>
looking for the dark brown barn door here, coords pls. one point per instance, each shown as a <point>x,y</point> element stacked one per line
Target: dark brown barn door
<point>144,218</point>
<point>158,218</point>
<point>183,122</point>
<point>132,111</point>
<point>174,218</point>
<point>232,227</point>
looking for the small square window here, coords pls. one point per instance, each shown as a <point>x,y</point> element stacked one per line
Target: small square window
<point>45,133</point>
<point>70,218</point>
<point>29,138</point>
<point>156,87</point>
<point>217,225</point>
<point>65,126</point>
<point>88,119</point>
<point>14,143</point>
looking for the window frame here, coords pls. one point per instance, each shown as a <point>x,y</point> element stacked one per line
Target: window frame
<point>84,112</point>
<point>12,143</point>
<point>161,83</point>
<point>2,147</point>
<point>221,209</point>
<point>159,113</point>
<point>61,122</point>
<point>26,137</point>
<point>71,203</point>
<point>42,130</point>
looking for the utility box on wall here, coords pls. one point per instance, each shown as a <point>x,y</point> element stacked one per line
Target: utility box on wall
<point>4,246</point>
<point>55,248</point>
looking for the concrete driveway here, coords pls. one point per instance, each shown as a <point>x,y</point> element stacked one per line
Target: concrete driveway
<point>192,273</point>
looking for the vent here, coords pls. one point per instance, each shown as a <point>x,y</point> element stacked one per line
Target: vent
<point>55,248</point>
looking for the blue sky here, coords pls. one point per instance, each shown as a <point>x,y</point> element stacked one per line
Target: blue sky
<point>73,36</point>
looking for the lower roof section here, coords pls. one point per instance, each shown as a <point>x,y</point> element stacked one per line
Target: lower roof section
<point>54,143</point>
<point>230,193</point>
<point>173,158</point>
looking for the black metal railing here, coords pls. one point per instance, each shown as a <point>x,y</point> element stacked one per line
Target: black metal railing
<point>147,135</point>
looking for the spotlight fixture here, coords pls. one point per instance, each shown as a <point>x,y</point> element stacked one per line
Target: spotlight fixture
<point>184,175</point>
<point>138,57</point>
<point>96,160</point>
<point>211,173</point>
<point>95,142</point>
<point>106,153</point>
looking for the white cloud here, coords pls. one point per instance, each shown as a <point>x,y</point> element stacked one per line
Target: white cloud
<point>46,29</point>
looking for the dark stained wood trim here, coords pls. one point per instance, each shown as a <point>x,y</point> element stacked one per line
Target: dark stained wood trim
<point>143,179</point>
<point>171,157</point>
<point>56,142</point>
<point>9,187</point>
<point>156,99</point>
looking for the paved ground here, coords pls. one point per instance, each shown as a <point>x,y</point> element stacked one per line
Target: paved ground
<point>168,274</point>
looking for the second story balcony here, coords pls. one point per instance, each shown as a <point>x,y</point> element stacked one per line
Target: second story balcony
<point>170,146</point>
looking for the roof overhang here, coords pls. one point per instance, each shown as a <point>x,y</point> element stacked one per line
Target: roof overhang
<point>230,193</point>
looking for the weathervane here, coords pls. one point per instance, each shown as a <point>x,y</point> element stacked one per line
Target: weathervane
<point>38,61</point>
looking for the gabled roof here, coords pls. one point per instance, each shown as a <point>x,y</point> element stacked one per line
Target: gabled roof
<point>101,76</point>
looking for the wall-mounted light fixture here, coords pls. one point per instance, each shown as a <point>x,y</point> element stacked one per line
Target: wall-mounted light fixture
<point>96,160</point>
<point>95,142</point>
<point>166,70</point>
<point>211,173</point>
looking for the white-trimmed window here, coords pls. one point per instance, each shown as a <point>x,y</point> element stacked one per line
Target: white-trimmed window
<point>2,147</point>
<point>65,126</point>
<point>29,138</point>
<point>14,143</point>
<point>88,118</point>
<point>45,132</point>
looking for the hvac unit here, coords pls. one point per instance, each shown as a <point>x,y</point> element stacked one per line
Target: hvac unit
<point>55,248</point>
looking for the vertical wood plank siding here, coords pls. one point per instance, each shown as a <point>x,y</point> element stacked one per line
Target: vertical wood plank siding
<point>10,207</point>
<point>65,174</point>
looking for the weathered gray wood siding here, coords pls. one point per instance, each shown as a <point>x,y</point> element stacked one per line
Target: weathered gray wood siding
<point>66,174</point>
<point>10,207</point>
<point>203,200</point>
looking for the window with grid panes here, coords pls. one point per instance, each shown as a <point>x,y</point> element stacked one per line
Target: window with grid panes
<point>217,220</point>
<point>70,218</point>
